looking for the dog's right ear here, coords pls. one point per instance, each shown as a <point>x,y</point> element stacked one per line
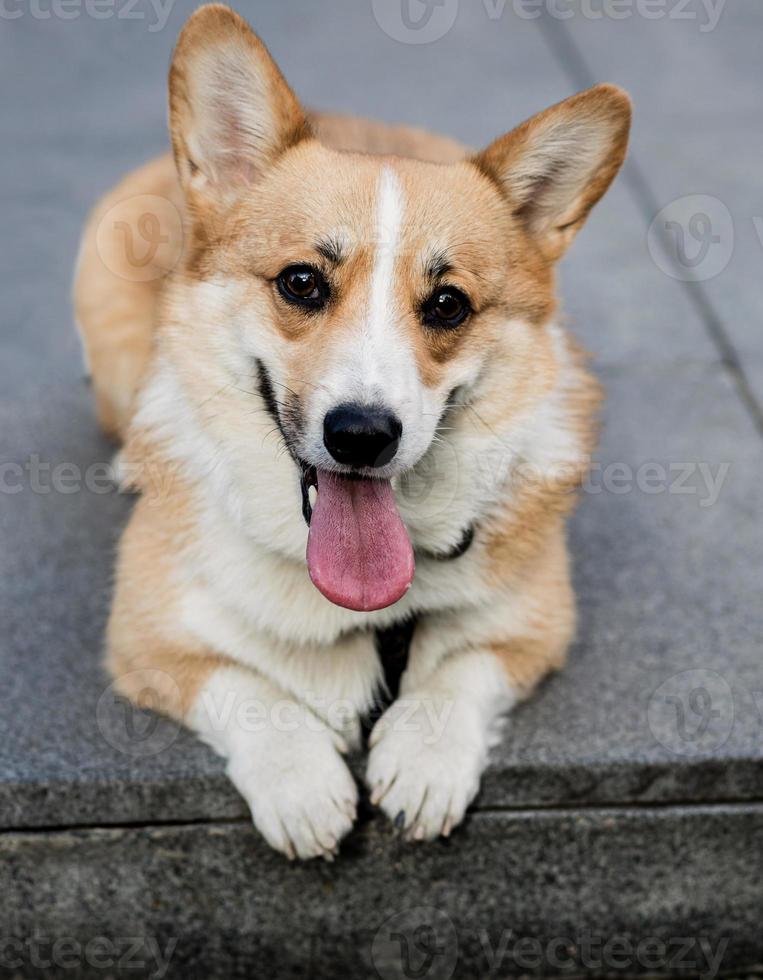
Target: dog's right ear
<point>556,166</point>
<point>231,111</point>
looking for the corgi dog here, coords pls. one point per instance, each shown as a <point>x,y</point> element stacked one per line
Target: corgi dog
<point>356,426</point>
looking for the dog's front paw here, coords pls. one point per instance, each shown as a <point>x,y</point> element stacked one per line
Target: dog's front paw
<point>425,765</point>
<point>302,796</point>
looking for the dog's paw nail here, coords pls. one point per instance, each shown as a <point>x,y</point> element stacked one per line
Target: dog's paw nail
<point>419,833</point>
<point>447,827</point>
<point>399,821</point>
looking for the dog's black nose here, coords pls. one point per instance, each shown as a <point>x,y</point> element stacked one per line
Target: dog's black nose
<point>358,435</point>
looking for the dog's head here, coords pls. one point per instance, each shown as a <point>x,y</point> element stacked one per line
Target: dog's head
<point>362,296</point>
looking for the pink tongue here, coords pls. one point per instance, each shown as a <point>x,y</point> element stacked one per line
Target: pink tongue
<point>358,551</point>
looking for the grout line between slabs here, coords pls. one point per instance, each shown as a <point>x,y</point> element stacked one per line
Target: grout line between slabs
<point>573,63</point>
<point>531,811</point>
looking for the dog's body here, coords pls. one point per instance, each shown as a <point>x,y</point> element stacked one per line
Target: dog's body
<point>222,380</point>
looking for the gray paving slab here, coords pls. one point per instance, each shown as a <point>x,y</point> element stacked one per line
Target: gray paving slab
<point>698,135</point>
<point>667,576</point>
<point>661,706</point>
<point>582,735</point>
<point>111,76</point>
<point>541,893</point>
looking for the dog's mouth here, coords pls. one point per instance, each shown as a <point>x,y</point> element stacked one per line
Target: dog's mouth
<point>359,554</point>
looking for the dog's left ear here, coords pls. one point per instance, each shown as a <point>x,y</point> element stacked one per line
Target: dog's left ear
<point>231,111</point>
<point>557,165</point>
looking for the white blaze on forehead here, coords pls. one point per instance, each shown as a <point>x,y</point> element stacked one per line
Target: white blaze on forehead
<point>389,216</point>
<point>379,361</point>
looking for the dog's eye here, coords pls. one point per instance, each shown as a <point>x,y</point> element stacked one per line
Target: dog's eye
<point>446,307</point>
<point>303,285</point>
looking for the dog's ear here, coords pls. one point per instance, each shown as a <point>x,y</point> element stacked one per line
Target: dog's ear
<point>231,111</point>
<point>557,165</point>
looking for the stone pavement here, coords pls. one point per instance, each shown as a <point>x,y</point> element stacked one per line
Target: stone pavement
<point>627,798</point>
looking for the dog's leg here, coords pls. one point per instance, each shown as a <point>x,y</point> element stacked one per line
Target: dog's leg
<point>466,670</point>
<point>283,759</point>
<point>429,750</point>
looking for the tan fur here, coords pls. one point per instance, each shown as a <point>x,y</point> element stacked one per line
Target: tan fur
<point>115,310</point>
<point>549,597</point>
<point>501,219</point>
<point>148,655</point>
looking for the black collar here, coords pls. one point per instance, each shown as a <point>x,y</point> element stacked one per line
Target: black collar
<point>460,549</point>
